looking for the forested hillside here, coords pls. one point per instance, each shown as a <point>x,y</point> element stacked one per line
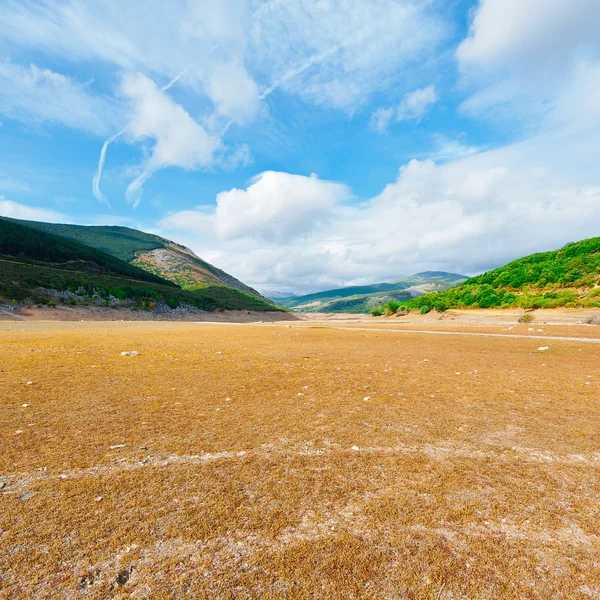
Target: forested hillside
<point>40,267</point>
<point>147,251</point>
<point>567,277</point>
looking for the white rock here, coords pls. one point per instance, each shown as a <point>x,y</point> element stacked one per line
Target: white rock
<point>24,405</point>
<point>30,383</point>
<point>355,448</point>
<point>543,348</point>
<point>117,446</point>
<point>98,498</point>
<point>130,353</point>
<point>366,398</point>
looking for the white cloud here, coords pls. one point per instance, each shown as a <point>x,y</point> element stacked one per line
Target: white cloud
<point>275,208</point>
<point>522,59</point>
<point>467,215</point>
<point>8,208</point>
<point>530,35</point>
<point>333,53</point>
<point>234,93</point>
<point>34,95</point>
<point>412,107</point>
<point>337,53</point>
<point>179,141</point>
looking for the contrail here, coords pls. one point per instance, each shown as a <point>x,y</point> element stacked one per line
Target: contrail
<point>96,181</point>
<point>175,79</point>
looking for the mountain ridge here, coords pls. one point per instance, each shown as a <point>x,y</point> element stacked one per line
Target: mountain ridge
<point>148,251</point>
<point>361,299</point>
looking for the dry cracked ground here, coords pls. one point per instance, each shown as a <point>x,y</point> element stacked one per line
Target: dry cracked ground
<point>272,461</point>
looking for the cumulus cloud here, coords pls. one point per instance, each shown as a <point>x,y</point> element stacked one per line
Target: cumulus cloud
<point>412,107</point>
<point>275,208</point>
<point>466,216</point>
<point>35,95</point>
<point>8,208</point>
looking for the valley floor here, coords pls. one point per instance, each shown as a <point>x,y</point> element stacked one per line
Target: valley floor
<point>331,458</point>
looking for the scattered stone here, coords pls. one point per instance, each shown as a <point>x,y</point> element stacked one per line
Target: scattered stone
<point>143,447</point>
<point>130,353</point>
<point>355,448</point>
<point>26,496</point>
<point>98,498</point>
<point>30,383</point>
<point>2,485</point>
<point>117,446</point>
<point>530,329</point>
<point>124,575</point>
<point>458,372</point>
<point>24,405</point>
<point>367,398</point>
<point>543,348</point>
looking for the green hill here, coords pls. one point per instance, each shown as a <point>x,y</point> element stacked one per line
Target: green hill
<point>150,252</point>
<point>37,266</point>
<point>567,277</point>
<point>362,299</point>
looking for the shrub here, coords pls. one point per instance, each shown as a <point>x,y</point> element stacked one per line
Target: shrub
<point>424,309</point>
<point>393,306</point>
<point>377,312</point>
<point>526,318</point>
<point>152,306</point>
<point>52,304</point>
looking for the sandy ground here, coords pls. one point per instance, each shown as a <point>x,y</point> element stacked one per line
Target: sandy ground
<point>303,459</point>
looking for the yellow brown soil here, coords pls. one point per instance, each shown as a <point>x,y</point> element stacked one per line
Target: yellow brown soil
<point>244,461</point>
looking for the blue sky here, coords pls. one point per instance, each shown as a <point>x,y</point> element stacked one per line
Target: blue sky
<point>302,145</point>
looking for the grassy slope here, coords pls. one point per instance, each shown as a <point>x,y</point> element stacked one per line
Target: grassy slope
<point>361,299</point>
<point>32,262</point>
<point>569,276</point>
<point>175,263</point>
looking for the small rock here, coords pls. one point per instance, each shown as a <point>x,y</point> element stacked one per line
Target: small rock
<point>543,348</point>
<point>458,372</point>
<point>2,485</point>
<point>530,329</point>
<point>143,447</point>
<point>117,446</point>
<point>30,383</point>
<point>24,405</point>
<point>130,353</point>
<point>26,496</point>
<point>367,398</point>
<point>98,498</point>
<point>355,448</point>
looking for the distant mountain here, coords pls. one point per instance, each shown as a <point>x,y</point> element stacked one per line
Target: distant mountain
<point>150,252</point>
<point>363,298</point>
<point>41,267</point>
<point>567,277</point>
<point>277,295</point>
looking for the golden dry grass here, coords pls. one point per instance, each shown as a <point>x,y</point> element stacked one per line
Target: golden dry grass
<point>282,462</point>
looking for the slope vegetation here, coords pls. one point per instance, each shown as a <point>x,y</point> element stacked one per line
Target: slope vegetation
<point>362,299</point>
<point>150,252</point>
<point>42,267</point>
<point>567,277</point>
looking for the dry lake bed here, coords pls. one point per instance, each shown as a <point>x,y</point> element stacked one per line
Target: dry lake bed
<point>299,460</point>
